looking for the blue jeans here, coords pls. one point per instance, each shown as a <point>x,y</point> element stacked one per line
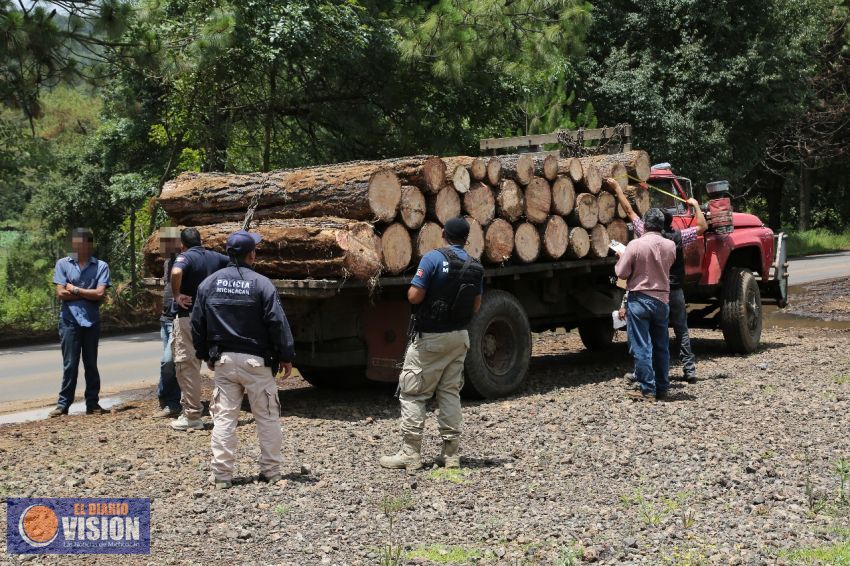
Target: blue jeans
<point>168,390</point>
<point>649,342</point>
<point>79,341</point>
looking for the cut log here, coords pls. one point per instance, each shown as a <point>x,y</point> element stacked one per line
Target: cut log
<point>636,164</point>
<point>609,166</point>
<point>555,235</point>
<point>494,171</point>
<point>430,237</point>
<point>526,243</point>
<point>586,211</point>
<point>591,179</point>
<point>444,205</point>
<point>639,199</point>
<point>396,247</point>
<point>579,243</point>
<point>547,167</point>
<point>538,200</point>
<point>478,169</point>
<point>480,203</point>
<point>457,169</point>
<point>571,166</point>
<point>599,241</point>
<point>618,230</point>
<point>563,196</point>
<point>607,205</point>
<point>519,167</point>
<point>510,201</point>
<point>498,241</point>
<point>429,175</point>
<point>475,241</point>
<point>411,210</point>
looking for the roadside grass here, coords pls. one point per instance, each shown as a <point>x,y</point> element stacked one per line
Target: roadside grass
<point>841,379</point>
<point>451,475</point>
<point>283,510</point>
<point>445,554</point>
<point>837,554</point>
<point>817,241</point>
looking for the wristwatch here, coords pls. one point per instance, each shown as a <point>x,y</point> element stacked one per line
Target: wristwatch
<point>75,290</point>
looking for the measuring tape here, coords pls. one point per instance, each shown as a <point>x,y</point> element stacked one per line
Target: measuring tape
<point>662,191</point>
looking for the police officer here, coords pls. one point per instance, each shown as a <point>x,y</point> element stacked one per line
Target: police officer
<point>190,268</point>
<point>446,293</point>
<point>239,328</point>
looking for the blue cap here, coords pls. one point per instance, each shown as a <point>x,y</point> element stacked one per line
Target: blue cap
<point>242,242</point>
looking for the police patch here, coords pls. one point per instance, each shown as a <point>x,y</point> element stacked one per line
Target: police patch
<point>420,272</point>
<point>180,258</point>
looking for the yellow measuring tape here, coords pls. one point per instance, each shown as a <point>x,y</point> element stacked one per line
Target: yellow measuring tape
<point>662,191</point>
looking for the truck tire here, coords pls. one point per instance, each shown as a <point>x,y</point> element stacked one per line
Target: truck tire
<point>596,334</point>
<point>499,347</point>
<point>740,311</point>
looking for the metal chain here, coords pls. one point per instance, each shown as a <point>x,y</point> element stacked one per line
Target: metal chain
<point>572,147</point>
<point>252,206</point>
<point>575,147</point>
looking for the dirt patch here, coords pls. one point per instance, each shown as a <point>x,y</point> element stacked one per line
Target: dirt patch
<point>827,300</point>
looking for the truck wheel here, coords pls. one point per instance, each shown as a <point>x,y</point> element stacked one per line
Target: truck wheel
<point>338,378</point>
<point>740,311</point>
<point>499,347</point>
<point>596,334</point>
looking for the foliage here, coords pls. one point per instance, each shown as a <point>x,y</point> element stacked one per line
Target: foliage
<point>817,241</point>
<point>441,554</point>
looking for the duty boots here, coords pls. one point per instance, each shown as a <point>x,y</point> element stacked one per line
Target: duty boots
<point>448,455</point>
<point>407,458</point>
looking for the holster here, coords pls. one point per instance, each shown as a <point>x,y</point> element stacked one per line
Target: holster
<point>272,361</point>
<point>215,354</point>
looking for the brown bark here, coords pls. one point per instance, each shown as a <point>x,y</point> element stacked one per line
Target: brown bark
<point>635,163</point>
<point>510,201</point>
<point>427,173</point>
<point>547,167</point>
<point>397,248</point>
<point>526,243</point>
<point>480,203</point>
<point>475,241</point>
<point>639,199</point>
<point>444,205</point>
<point>498,241</point>
<point>538,200</point>
<point>618,230</point>
<point>586,211</point>
<point>494,171</point>
<point>555,235</point>
<point>519,167</point>
<point>411,210</point>
<point>571,166</point>
<point>579,243</point>
<point>599,241</point>
<point>563,196</point>
<point>607,205</point>
<point>429,237</point>
<point>591,180</point>
<point>478,169</point>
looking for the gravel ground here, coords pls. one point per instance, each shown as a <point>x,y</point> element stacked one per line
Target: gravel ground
<point>828,300</point>
<point>568,470</point>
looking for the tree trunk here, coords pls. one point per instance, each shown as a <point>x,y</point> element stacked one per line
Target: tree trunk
<point>773,194</point>
<point>457,169</point>
<point>475,241</point>
<point>411,210</point>
<point>268,126</point>
<point>599,241</point>
<point>538,200</point>
<point>571,166</point>
<point>635,163</point>
<point>803,220</point>
<point>480,203</point>
<point>494,171</point>
<point>478,169</point>
<point>563,196</point>
<point>579,243</point>
<point>591,180</point>
<point>519,167</point>
<point>607,205</point>
<point>618,230</point>
<point>555,235</point>
<point>586,211</point>
<point>498,241</point>
<point>396,247</point>
<point>133,275</point>
<point>526,243</point>
<point>639,199</point>
<point>444,205</point>
<point>547,167</point>
<point>510,201</point>
<point>430,237</point>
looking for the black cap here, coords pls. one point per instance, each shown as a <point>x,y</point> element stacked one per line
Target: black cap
<point>242,242</point>
<point>653,220</point>
<point>456,229</point>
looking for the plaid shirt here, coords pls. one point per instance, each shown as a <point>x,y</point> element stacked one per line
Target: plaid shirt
<point>689,235</point>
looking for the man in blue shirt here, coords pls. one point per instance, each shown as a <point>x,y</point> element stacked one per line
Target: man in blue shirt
<point>81,281</point>
<point>446,293</point>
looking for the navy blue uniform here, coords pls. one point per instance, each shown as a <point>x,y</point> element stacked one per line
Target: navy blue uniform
<point>239,310</point>
<point>197,264</point>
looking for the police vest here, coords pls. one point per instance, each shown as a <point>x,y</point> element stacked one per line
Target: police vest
<point>449,304</point>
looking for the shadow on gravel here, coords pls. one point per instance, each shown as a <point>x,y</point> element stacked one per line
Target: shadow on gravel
<point>340,405</point>
<point>716,347</point>
<point>485,463</point>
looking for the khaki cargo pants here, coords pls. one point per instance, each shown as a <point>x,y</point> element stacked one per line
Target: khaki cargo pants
<point>433,365</point>
<point>235,375</point>
<point>187,367</point>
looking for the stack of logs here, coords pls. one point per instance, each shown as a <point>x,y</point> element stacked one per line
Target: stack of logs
<point>362,219</point>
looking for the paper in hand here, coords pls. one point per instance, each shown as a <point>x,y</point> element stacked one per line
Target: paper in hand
<point>617,246</point>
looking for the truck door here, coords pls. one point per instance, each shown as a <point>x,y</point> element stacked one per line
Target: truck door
<point>694,253</point>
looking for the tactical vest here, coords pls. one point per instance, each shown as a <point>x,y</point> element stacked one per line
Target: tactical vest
<point>449,305</point>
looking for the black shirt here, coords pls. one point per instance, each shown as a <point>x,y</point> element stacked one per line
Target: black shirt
<point>197,264</point>
<point>677,270</point>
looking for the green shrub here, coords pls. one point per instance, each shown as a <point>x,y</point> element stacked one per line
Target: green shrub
<point>28,309</point>
<point>817,241</point>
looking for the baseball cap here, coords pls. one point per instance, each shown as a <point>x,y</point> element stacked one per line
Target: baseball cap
<point>242,242</point>
<point>457,229</point>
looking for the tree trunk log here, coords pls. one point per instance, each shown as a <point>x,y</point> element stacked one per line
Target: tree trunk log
<point>635,163</point>
<point>639,199</point>
<point>498,241</point>
<point>538,200</point>
<point>519,167</point>
<point>397,248</point>
<point>427,173</point>
<point>599,241</point>
<point>444,205</point>
<point>586,211</point>
<point>457,169</point>
<point>571,166</point>
<point>480,203</point>
<point>607,204</point>
<point>494,171</point>
<point>618,230</point>
<point>411,210</point>
<point>475,241</point>
<point>510,201</point>
<point>430,237</point>
<point>478,169</point>
<point>555,235</point>
<point>526,243</point>
<point>547,167</point>
<point>591,178</point>
<point>563,196</point>
<point>579,243</point>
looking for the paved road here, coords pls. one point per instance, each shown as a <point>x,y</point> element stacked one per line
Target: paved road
<point>818,267</point>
